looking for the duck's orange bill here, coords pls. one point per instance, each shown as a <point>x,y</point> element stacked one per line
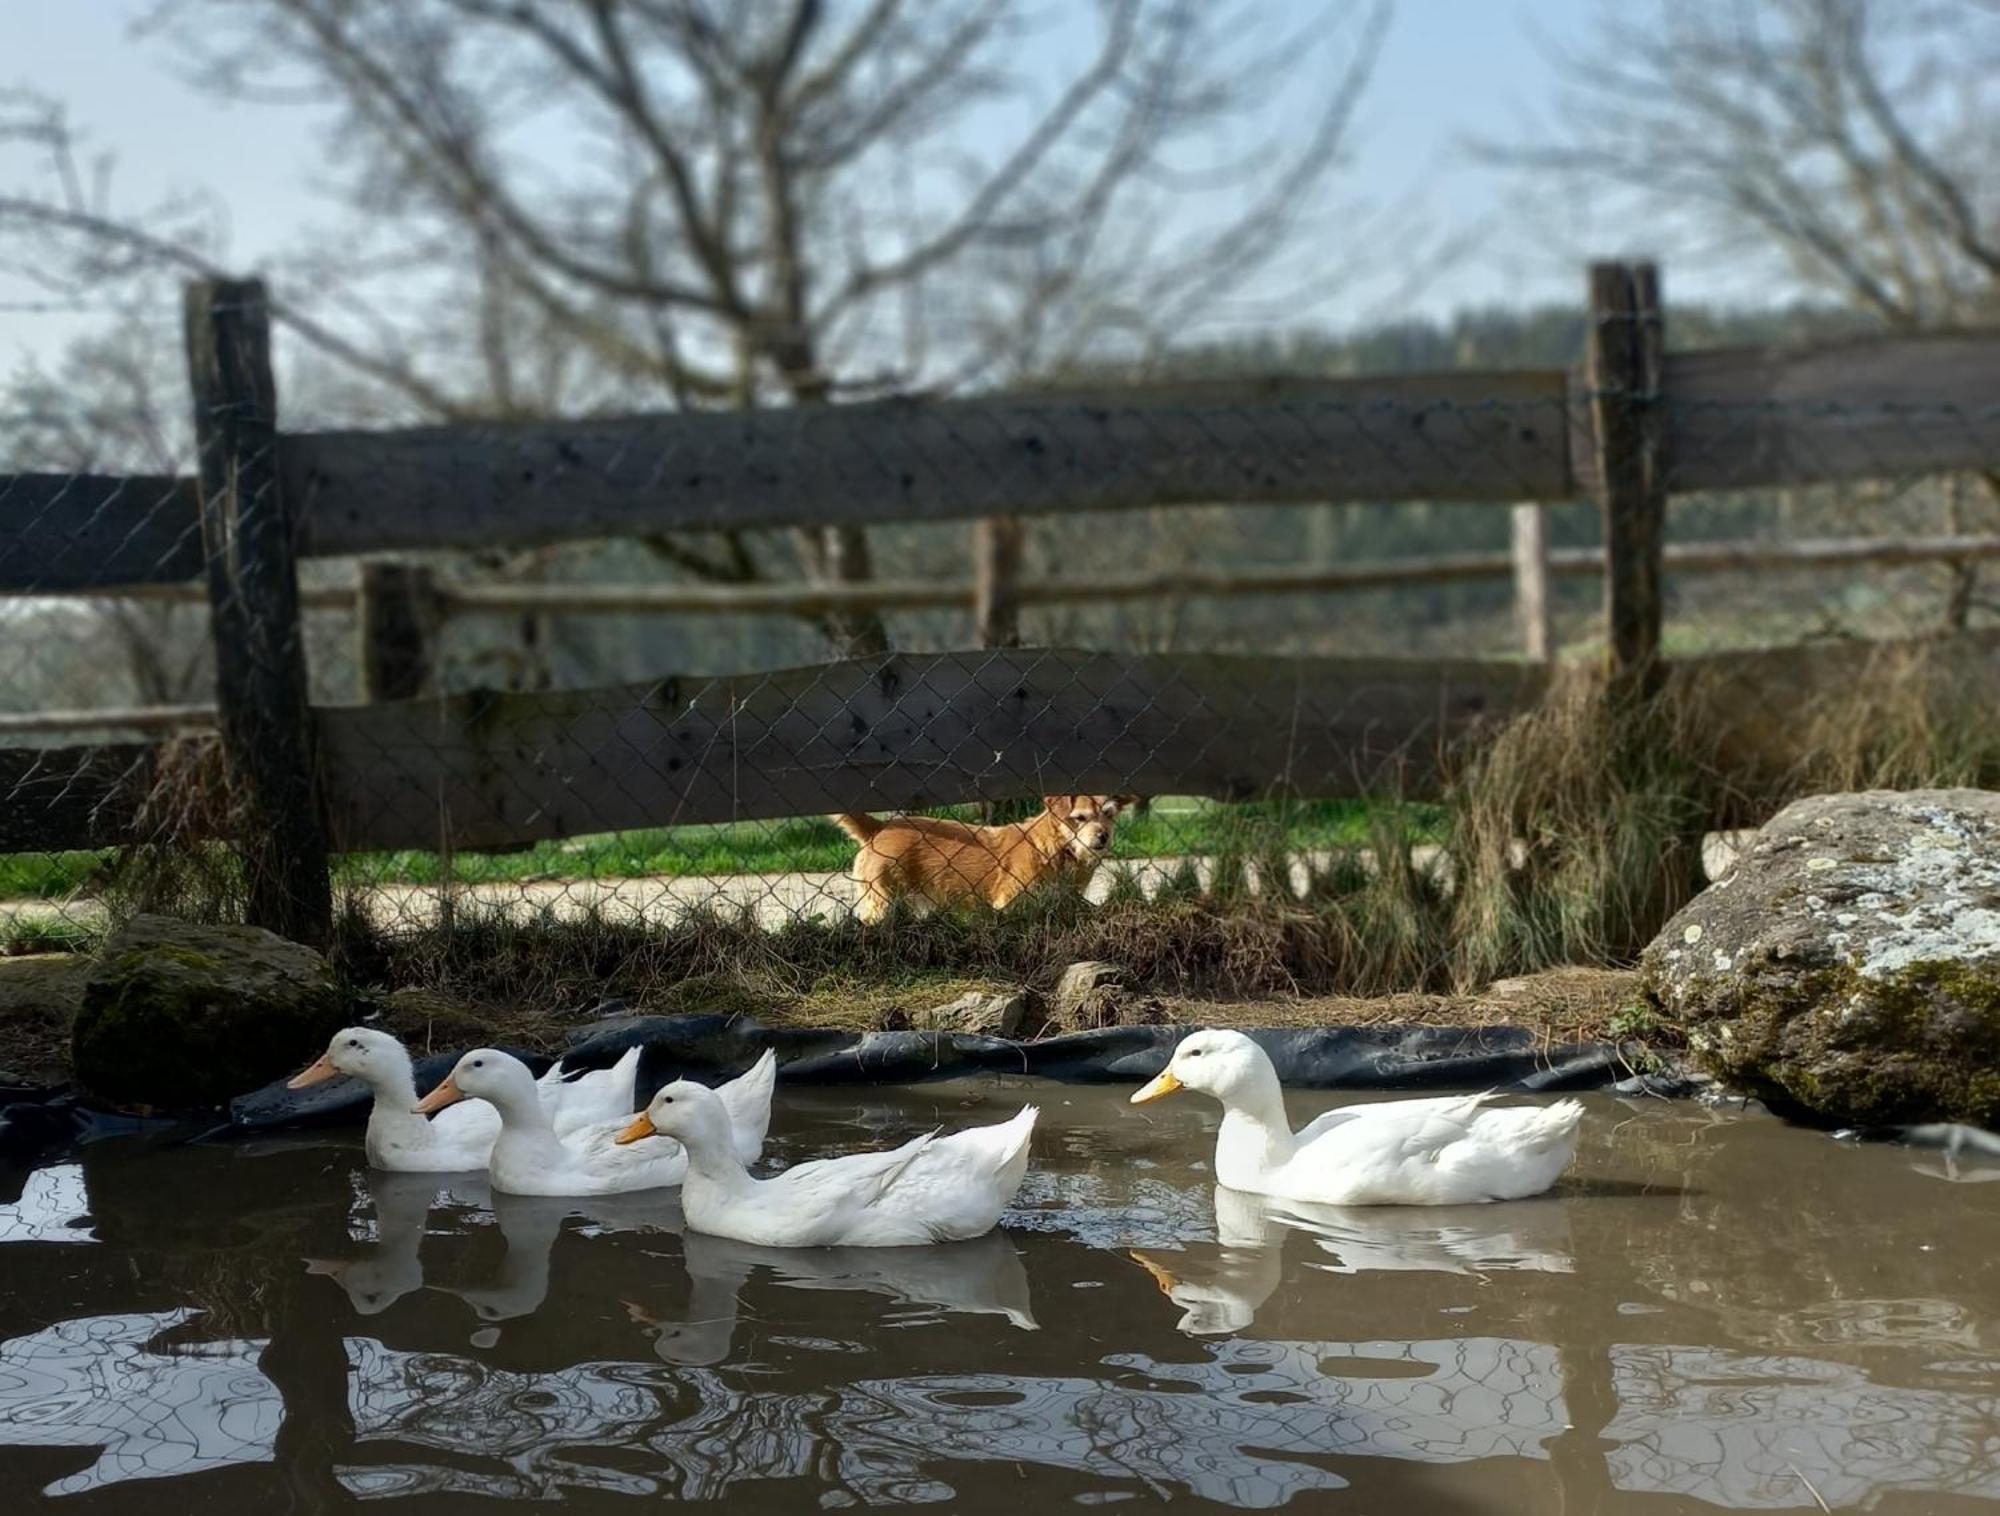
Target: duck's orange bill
<point>316,1072</point>
<point>445,1094</point>
<point>1165,1084</point>
<point>642,1126</point>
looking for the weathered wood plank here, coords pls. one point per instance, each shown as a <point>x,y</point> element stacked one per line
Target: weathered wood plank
<point>1533,609</point>
<point>56,798</point>
<point>1216,726</point>
<point>1495,437</point>
<point>118,718</point>
<point>398,618</point>
<point>1881,407</point>
<point>248,537</point>
<point>892,732</point>
<point>1624,347</point>
<point>68,532</point>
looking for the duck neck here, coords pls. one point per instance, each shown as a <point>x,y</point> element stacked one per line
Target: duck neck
<point>1255,1136</point>
<point>715,1171</point>
<point>390,1119</point>
<point>526,1133</point>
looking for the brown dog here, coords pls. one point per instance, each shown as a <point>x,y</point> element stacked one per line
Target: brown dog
<point>949,862</point>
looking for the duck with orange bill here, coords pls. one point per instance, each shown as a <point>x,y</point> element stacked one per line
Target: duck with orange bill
<point>1450,1151</point>
<point>458,1139</point>
<point>931,1189</point>
<point>530,1158</point>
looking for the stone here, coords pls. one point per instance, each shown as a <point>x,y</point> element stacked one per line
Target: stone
<point>1847,966</point>
<point>990,1015</point>
<point>39,997</point>
<point>1089,994</point>
<point>177,1016</point>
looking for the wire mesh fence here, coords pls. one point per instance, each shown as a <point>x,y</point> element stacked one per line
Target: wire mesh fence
<point>1163,692</point>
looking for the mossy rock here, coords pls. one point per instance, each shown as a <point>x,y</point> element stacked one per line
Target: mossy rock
<point>1847,967</point>
<point>176,1016</point>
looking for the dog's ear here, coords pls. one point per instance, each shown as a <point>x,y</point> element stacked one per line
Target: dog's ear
<point>1056,805</point>
<point>1133,803</point>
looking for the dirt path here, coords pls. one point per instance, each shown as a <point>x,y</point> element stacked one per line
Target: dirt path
<point>775,900</point>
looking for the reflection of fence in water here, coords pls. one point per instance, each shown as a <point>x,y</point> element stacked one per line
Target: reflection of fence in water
<point>1736,1430</point>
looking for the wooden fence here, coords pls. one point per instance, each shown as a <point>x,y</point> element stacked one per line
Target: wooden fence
<point>1632,427</point>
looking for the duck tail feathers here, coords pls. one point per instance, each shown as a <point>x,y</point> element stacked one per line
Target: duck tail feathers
<point>1552,1126</point>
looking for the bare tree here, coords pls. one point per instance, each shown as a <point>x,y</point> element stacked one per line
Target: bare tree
<point>776,201</point>
<point>1854,139</point>
<point>112,403</point>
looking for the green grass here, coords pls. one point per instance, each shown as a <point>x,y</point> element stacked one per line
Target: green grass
<point>48,876</point>
<point>806,844</point>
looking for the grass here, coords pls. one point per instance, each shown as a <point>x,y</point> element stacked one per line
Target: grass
<point>804,844</point>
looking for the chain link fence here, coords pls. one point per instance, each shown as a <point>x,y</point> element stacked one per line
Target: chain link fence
<point>1110,710</point>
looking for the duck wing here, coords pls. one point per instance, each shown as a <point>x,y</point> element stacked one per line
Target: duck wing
<point>958,1186</point>
<point>815,1202</point>
<point>1450,1107</point>
<point>603,1167</point>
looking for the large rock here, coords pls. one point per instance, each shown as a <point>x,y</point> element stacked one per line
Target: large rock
<point>176,1016</point>
<point>1848,965</point>
<point>990,1015</point>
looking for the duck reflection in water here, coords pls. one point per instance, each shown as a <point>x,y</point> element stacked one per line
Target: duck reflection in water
<point>1223,1294</point>
<point>979,1277</point>
<point>531,1224</point>
<point>393,1265</point>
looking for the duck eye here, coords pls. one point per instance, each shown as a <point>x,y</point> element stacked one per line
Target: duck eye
<point>355,1043</point>
<point>1194,1052</point>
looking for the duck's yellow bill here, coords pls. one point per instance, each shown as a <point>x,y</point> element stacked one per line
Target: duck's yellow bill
<point>1165,1084</point>
<point>445,1094</point>
<point>316,1072</point>
<point>642,1126</point>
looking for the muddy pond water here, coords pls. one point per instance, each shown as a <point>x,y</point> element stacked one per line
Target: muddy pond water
<point>1715,1311</point>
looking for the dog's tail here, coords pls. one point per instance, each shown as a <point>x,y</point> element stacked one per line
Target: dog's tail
<point>862,828</point>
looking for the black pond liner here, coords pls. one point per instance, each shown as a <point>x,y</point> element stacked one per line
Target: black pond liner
<point>714,1048</point>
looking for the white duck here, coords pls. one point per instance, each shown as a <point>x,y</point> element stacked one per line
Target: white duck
<point>529,1158</point>
<point>461,1138</point>
<point>931,1189</point>
<point>1447,1151</point>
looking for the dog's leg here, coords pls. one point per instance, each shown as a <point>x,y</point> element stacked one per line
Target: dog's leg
<point>873,906</point>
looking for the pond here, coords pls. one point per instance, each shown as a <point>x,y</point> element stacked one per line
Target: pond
<point>1715,1311</point>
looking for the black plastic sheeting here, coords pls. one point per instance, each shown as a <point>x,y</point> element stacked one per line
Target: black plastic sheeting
<point>713,1048</point>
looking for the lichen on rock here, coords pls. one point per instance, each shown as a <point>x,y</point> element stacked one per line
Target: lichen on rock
<point>178,1016</point>
<point>1848,965</point>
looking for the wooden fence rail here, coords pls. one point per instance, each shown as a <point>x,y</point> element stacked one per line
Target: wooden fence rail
<point>906,730</point>
<point>1884,408</point>
<point>571,598</point>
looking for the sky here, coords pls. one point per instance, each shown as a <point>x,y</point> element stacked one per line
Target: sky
<point>1451,69</point>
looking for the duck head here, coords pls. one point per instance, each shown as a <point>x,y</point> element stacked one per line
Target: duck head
<point>482,1074</point>
<point>1218,1063</point>
<point>690,1113</point>
<point>357,1050</point>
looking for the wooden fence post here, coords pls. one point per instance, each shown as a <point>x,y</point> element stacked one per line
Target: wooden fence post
<point>996,558</point>
<point>1532,611</point>
<point>397,615</point>
<point>1623,369</point>
<point>253,592</point>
